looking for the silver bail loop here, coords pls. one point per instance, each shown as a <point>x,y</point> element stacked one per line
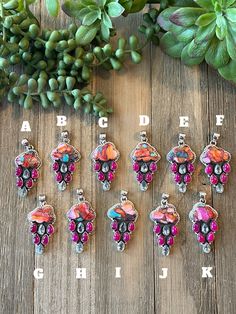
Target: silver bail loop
<point>202,197</point>
<point>42,200</point>
<point>80,194</point>
<point>65,136</point>
<point>215,138</point>
<point>182,137</point>
<point>102,138</point>
<point>164,199</point>
<point>143,136</point>
<point>123,195</point>
<point>26,144</point>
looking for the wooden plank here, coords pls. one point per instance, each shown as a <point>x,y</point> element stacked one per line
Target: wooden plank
<point>163,89</point>
<point>222,101</point>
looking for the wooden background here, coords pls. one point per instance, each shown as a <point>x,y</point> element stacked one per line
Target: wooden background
<point>163,89</point>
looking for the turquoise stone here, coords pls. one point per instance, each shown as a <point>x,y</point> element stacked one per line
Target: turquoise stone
<point>65,158</point>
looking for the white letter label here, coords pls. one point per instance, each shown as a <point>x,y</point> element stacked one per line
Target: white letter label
<point>38,273</point>
<point>25,127</point>
<point>103,122</point>
<point>219,119</point>
<point>164,273</point>
<point>118,275</point>
<point>143,120</point>
<point>80,273</point>
<point>206,272</point>
<point>184,122</point>
<point>61,121</point>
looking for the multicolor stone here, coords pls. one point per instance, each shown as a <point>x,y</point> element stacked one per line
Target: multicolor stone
<point>42,214</point>
<point>203,212</point>
<point>165,215</point>
<point>65,152</point>
<point>145,152</point>
<point>181,154</point>
<point>214,154</point>
<point>105,152</point>
<point>81,211</point>
<point>124,211</point>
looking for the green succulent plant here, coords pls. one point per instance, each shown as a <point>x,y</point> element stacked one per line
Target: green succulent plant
<point>203,32</point>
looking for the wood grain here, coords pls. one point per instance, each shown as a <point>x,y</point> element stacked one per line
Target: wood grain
<point>163,89</point>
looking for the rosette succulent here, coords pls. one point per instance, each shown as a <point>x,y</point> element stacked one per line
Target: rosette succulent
<point>204,31</point>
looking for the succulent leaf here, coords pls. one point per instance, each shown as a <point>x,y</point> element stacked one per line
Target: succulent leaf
<point>217,55</point>
<point>171,46</point>
<point>188,60</point>
<point>186,16</point>
<point>205,19</point>
<point>164,18</point>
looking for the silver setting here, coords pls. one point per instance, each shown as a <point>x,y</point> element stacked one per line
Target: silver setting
<point>202,197</point>
<point>80,195</point>
<point>65,136</point>
<point>164,200</point>
<point>25,142</point>
<point>181,141</point>
<point>123,195</point>
<point>143,136</point>
<point>215,138</point>
<point>102,138</point>
<point>42,200</point>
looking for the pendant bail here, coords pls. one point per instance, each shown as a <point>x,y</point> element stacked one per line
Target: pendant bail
<point>102,138</point>
<point>182,137</point>
<point>215,138</point>
<point>42,200</point>
<point>164,199</point>
<point>123,195</point>
<point>25,142</point>
<point>65,136</point>
<point>143,136</point>
<point>202,197</point>
<point>80,194</point>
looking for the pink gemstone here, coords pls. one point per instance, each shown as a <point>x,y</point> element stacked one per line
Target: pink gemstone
<point>191,168</point>
<point>114,225</point>
<point>148,177</point>
<point>161,240</point>
<point>36,239</point>
<point>84,237</point>
<point>58,177</point>
<point>110,176</point>
<point>71,167</point>
<point>19,182</point>
<point>72,225</point>
<point>153,167</point>
<point>177,178</point>
<point>209,170</point>
<point>113,166</point>
<point>139,177</point>
<point>187,178</point>
<point>89,227</point>
<point>227,168</point>
<point>33,228</point>
<point>116,236</point>
<point>196,227</point>
<point>214,226</point>
<point>174,167</point>
<point>213,179</point>
<point>18,171</point>
<point>224,178</point>
<point>174,230</point>
<point>170,241</point>
<point>34,174</point>
<point>201,238</point>
<point>50,229</point>
<point>131,226</point>
<point>45,240</point>
<point>136,166</point>
<point>75,237</point>
<point>210,237</point>
<point>68,177</point>
<point>157,228</point>
<point>29,183</point>
<point>101,176</point>
<point>97,166</point>
<point>55,166</point>
<point>126,237</point>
